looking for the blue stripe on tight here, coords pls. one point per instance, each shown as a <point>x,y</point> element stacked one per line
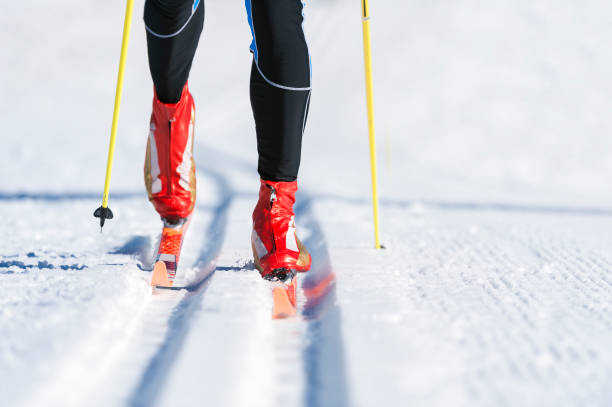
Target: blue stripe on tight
<point>253,47</point>
<point>247,4</point>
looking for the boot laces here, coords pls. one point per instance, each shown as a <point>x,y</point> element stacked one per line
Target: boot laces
<point>272,195</point>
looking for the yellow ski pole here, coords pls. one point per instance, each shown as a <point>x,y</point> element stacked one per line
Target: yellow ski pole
<point>367,53</point>
<point>104,212</point>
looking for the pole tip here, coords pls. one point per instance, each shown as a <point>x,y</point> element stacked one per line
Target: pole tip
<point>103,213</point>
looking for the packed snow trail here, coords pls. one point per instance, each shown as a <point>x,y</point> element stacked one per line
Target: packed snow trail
<point>266,362</point>
<point>524,297</point>
<point>165,325</point>
<point>495,159</point>
<point>498,307</point>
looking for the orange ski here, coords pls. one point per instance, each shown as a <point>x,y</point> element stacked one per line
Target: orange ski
<point>168,253</point>
<point>284,296</point>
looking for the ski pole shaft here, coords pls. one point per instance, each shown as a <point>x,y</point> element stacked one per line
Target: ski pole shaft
<point>367,53</point>
<point>104,212</point>
<point>124,48</point>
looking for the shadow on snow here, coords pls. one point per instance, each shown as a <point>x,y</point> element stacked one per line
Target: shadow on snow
<point>324,364</point>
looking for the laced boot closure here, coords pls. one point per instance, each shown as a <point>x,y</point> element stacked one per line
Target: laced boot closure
<point>169,165</point>
<point>277,251</point>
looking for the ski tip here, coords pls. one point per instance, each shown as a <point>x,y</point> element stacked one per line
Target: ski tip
<point>283,307</point>
<point>160,276</point>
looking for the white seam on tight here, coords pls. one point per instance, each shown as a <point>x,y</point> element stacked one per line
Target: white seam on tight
<point>306,110</point>
<point>276,85</point>
<point>176,33</point>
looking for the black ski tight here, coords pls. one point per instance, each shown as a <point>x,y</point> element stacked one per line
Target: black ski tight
<point>280,75</point>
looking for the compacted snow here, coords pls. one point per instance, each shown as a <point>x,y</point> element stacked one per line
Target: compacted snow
<point>494,155</point>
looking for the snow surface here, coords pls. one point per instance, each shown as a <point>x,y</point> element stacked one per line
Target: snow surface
<point>494,155</point>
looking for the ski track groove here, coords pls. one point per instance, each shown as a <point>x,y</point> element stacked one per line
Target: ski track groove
<point>323,356</point>
<point>150,385</point>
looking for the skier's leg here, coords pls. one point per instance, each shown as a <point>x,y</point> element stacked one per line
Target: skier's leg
<point>173,30</point>
<point>280,85</point>
<point>280,95</point>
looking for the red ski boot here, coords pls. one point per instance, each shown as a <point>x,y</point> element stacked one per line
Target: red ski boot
<point>169,167</point>
<point>277,251</point>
